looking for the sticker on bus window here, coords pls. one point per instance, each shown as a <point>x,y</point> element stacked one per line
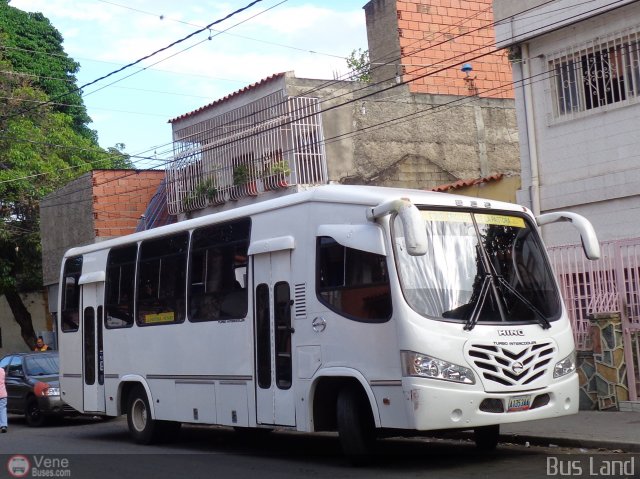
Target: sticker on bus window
<point>481,218</point>
<point>159,318</point>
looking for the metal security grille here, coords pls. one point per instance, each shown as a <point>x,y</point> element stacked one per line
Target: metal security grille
<point>610,284</point>
<point>604,71</point>
<point>511,366</point>
<point>273,142</point>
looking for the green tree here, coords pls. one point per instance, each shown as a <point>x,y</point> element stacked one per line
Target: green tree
<point>34,47</point>
<point>43,145</point>
<point>360,66</point>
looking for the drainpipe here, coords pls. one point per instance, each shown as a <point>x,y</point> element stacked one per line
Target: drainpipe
<point>531,130</point>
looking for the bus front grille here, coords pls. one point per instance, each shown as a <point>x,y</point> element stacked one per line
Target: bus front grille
<point>512,366</point>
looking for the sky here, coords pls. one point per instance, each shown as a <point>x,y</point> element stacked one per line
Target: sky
<point>310,37</point>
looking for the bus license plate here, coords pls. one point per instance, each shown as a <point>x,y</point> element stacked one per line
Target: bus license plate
<point>519,403</point>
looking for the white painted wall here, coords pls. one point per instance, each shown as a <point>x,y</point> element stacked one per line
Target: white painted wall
<point>591,164</point>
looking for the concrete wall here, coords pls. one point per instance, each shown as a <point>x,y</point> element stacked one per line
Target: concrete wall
<point>66,219</point>
<point>412,140</point>
<point>98,205</point>
<point>383,40</point>
<point>587,164</point>
<point>433,142</point>
<point>10,331</point>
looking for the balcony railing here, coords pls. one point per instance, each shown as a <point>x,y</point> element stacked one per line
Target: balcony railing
<point>272,143</point>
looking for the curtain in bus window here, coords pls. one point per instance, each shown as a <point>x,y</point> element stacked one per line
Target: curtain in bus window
<point>443,278</point>
<point>161,280</point>
<point>121,267</point>
<point>353,283</point>
<point>218,270</point>
<point>70,314</point>
<point>496,262</point>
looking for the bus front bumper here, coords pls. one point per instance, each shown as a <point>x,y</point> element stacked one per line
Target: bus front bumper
<point>441,405</point>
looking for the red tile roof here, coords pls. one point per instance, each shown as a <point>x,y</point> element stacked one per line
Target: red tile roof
<point>270,78</point>
<point>464,183</point>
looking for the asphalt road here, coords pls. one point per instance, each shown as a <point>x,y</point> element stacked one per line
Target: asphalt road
<point>93,448</point>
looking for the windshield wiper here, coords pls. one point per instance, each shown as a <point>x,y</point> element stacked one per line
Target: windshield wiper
<point>477,308</point>
<point>490,278</point>
<point>544,322</point>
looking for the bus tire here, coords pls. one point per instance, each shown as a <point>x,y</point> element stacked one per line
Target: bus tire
<point>356,427</point>
<point>486,437</point>
<point>142,427</point>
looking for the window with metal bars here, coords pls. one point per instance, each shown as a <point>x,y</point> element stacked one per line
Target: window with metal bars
<point>598,74</point>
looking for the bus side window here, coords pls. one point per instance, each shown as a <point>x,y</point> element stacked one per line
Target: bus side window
<point>121,267</point>
<point>70,314</point>
<point>351,282</point>
<point>217,272</point>
<point>161,279</point>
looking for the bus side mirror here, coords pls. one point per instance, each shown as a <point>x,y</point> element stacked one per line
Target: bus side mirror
<point>590,243</point>
<point>415,234</point>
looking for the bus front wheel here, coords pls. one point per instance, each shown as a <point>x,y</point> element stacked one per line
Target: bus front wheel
<point>486,437</point>
<point>356,427</point>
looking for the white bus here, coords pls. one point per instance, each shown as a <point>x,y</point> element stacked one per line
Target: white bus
<point>363,310</point>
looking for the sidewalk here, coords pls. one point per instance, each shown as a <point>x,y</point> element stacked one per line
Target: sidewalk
<point>587,429</point>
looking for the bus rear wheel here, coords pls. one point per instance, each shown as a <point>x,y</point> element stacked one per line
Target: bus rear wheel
<point>142,427</point>
<point>356,427</point>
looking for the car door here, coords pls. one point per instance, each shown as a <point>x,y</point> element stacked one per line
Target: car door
<point>16,384</point>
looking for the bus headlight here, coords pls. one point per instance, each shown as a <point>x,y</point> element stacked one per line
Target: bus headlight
<point>566,366</point>
<point>421,365</point>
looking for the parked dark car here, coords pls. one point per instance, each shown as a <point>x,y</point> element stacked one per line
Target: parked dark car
<point>33,388</point>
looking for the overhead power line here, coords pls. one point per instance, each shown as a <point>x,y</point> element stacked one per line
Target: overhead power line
<point>359,98</point>
<point>146,57</point>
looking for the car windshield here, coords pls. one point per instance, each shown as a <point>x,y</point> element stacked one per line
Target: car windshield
<point>42,365</point>
<point>478,268</point>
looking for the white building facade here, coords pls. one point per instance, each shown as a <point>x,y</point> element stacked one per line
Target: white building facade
<point>576,69</point>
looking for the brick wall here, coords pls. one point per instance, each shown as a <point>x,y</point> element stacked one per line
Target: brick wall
<point>435,38</point>
<point>441,33</point>
<point>119,198</point>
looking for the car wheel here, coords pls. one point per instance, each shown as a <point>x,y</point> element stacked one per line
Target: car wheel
<point>33,414</point>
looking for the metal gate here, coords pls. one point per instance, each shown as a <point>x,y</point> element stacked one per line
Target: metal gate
<point>610,284</point>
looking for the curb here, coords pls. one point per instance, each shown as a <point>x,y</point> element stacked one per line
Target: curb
<point>546,441</point>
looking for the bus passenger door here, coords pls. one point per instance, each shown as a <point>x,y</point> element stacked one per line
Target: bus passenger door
<point>275,400</point>
<point>92,347</point>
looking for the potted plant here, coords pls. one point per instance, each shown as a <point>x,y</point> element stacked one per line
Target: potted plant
<point>243,182</point>
<point>277,173</point>
<point>208,189</point>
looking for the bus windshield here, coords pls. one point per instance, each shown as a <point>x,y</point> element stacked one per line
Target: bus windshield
<point>479,267</point>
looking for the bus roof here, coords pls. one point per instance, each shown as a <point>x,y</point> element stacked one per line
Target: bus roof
<point>342,194</point>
